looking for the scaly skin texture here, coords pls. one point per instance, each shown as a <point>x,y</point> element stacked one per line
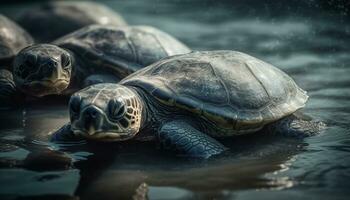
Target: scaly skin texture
<point>9,95</point>
<point>187,112</point>
<point>294,126</point>
<point>41,70</point>
<point>175,130</point>
<point>64,134</point>
<point>181,137</point>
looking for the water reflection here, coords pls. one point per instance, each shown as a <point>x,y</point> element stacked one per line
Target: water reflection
<point>308,40</point>
<point>124,169</point>
<point>112,171</point>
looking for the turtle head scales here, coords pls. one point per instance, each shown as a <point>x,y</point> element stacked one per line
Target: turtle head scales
<point>42,69</point>
<point>105,112</point>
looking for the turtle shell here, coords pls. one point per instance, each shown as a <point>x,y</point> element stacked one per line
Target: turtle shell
<point>12,39</point>
<point>55,19</point>
<point>235,92</point>
<point>122,49</point>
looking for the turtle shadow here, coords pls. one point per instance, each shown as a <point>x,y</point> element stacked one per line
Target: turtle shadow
<point>133,168</point>
<point>123,170</point>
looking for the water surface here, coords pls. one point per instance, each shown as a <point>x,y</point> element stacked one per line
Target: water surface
<point>310,41</point>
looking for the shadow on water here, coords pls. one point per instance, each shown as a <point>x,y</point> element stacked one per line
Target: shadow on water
<point>307,39</point>
<point>112,170</point>
<point>243,168</point>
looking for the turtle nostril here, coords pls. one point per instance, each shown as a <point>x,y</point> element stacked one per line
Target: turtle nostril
<point>91,113</point>
<point>52,65</point>
<point>50,68</point>
<point>91,119</point>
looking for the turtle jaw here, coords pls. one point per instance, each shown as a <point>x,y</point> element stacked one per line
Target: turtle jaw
<point>103,136</point>
<point>106,112</point>
<point>44,87</point>
<point>101,130</point>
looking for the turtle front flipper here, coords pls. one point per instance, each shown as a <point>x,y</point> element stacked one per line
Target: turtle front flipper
<point>63,134</point>
<point>183,138</point>
<point>100,78</point>
<point>296,126</point>
<point>10,96</point>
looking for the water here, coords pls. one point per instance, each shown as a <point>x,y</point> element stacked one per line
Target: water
<point>310,41</point>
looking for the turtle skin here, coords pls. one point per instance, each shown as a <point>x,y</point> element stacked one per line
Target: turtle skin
<point>189,101</point>
<point>93,54</point>
<point>10,97</point>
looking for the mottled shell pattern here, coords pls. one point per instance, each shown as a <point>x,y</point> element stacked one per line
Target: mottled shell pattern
<point>234,92</point>
<point>130,48</point>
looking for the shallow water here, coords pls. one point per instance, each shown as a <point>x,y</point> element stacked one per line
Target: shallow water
<point>310,41</point>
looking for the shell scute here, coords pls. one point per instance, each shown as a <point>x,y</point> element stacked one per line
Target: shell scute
<point>230,89</point>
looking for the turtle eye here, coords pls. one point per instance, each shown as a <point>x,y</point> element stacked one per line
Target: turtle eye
<point>74,105</point>
<point>65,61</point>
<point>30,61</point>
<point>22,71</point>
<point>116,109</point>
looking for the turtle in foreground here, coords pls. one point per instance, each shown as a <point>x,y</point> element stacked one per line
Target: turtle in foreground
<point>13,38</point>
<point>186,101</point>
<point>58,18</point>
<point>90,55</point>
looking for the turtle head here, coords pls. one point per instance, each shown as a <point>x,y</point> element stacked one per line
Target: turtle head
<point>106,112</point>
<point>42,69</point>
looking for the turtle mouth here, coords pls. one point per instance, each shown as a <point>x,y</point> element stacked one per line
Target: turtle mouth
<point>104,136</point>
<point>47,82</point>
<point>45,87</point>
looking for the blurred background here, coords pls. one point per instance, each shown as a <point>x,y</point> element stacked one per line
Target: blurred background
<point>310,40</point>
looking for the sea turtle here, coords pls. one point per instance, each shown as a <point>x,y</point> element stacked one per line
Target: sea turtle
<point>93,54</point>
<point>188,100</point>
<point>54,19</point>
<point>12,39</point>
